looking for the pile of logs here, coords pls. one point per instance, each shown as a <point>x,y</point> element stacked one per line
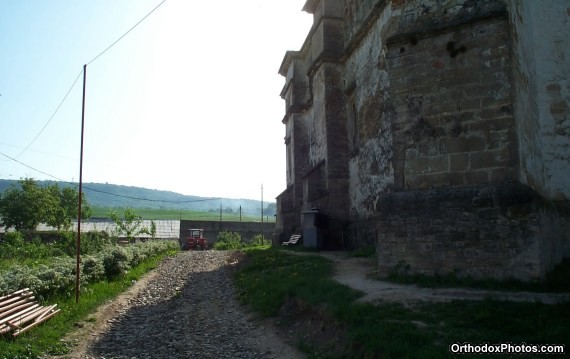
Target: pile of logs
<point>20,312</point>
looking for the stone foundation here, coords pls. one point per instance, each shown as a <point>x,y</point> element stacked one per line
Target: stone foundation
<point>491,231</point>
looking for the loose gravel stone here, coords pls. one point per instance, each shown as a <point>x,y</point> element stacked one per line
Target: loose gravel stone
<point>188,310</point>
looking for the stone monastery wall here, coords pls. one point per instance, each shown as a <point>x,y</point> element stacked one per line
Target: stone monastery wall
<point>438,131</point>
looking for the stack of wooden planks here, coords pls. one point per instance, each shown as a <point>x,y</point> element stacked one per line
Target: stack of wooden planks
<point>20,312</point>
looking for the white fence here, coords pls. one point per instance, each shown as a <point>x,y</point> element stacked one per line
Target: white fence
<point>165,228</point>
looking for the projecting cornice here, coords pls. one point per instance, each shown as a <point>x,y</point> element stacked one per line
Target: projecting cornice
<point>287,60</point>
<point>292,55</point>
<point>311,6</point>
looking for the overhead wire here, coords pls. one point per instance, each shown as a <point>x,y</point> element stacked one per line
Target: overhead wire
<point>41,152</point>
<point>57,110</point>
<point>126,33</point>
<point>52,116</point>
<point>61,103</point>
<point>79,75</point>
<point>105,192</point>
<point>30,167</point>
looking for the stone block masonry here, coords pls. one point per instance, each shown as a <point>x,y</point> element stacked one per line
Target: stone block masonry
<point>490,231</point>
<point>451,90</point>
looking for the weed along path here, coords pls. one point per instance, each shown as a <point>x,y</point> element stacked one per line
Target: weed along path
<point>356,273</point>
<point>186,308</point>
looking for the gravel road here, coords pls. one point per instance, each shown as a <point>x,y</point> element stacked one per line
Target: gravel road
<point>186,308</point>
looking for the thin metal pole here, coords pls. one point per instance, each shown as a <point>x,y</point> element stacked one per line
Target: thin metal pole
<point>262,241</point>
<point>78,244</point>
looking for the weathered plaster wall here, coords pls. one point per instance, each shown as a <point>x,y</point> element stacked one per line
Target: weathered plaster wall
<point>542,93</point>
<point>370,114</point>
<point>337,143</point>
<point>317,128</point>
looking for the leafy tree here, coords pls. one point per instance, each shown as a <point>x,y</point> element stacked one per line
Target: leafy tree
<point>152,229</point>
<point>26,207</point>
<point>130,224</point>
<point>67,199</point>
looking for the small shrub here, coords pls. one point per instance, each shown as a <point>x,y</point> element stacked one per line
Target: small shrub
<point>53,280</point>
<point>138,255</point>
<point>37,240</point>
<point>259,240</point>
<point>116,261</point>
<point>94,242</point>
<point>19,277</point>
<point>15,239</point>
<point>67,242</point>
<point>93,269</point>
<point>228,240</point>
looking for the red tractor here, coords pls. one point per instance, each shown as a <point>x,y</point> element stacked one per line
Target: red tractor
<point>195,240</point>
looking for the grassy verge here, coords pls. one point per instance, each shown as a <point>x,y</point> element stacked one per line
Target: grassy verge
<point>271,277</point>
<point>557,281</point>
<point>46,337</point>
<point>272,280</point>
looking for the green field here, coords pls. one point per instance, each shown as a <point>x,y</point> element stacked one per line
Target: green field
<point>147,213</point>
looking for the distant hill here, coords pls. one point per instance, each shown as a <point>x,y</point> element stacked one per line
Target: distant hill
<point>117,196</point>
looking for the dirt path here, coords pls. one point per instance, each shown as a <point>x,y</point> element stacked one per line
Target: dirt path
<point>355,273</point>
<point>186,308</point>
<point>91,329</point>
<point>157,316</point>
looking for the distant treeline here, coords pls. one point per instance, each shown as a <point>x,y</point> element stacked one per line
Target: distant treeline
<point>117,196</point>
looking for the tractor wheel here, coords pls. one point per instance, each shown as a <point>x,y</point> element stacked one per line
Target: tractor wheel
<point>198,247</point>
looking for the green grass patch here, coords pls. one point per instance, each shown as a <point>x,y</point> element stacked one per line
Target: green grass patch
<point>228,240</point>
<point>270,278</point>
<point>557,281</point>
<point>46,338</point>
<point>366,252</point>
<point>427,330</point>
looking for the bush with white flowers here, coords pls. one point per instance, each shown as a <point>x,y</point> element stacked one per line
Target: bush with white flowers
<point>59,276</point>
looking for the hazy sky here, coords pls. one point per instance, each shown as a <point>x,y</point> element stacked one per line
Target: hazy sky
<point>188,101</point>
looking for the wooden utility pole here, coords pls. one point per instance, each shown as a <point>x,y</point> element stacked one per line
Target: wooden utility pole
<point>78,244</point>
<point>262,241</point>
